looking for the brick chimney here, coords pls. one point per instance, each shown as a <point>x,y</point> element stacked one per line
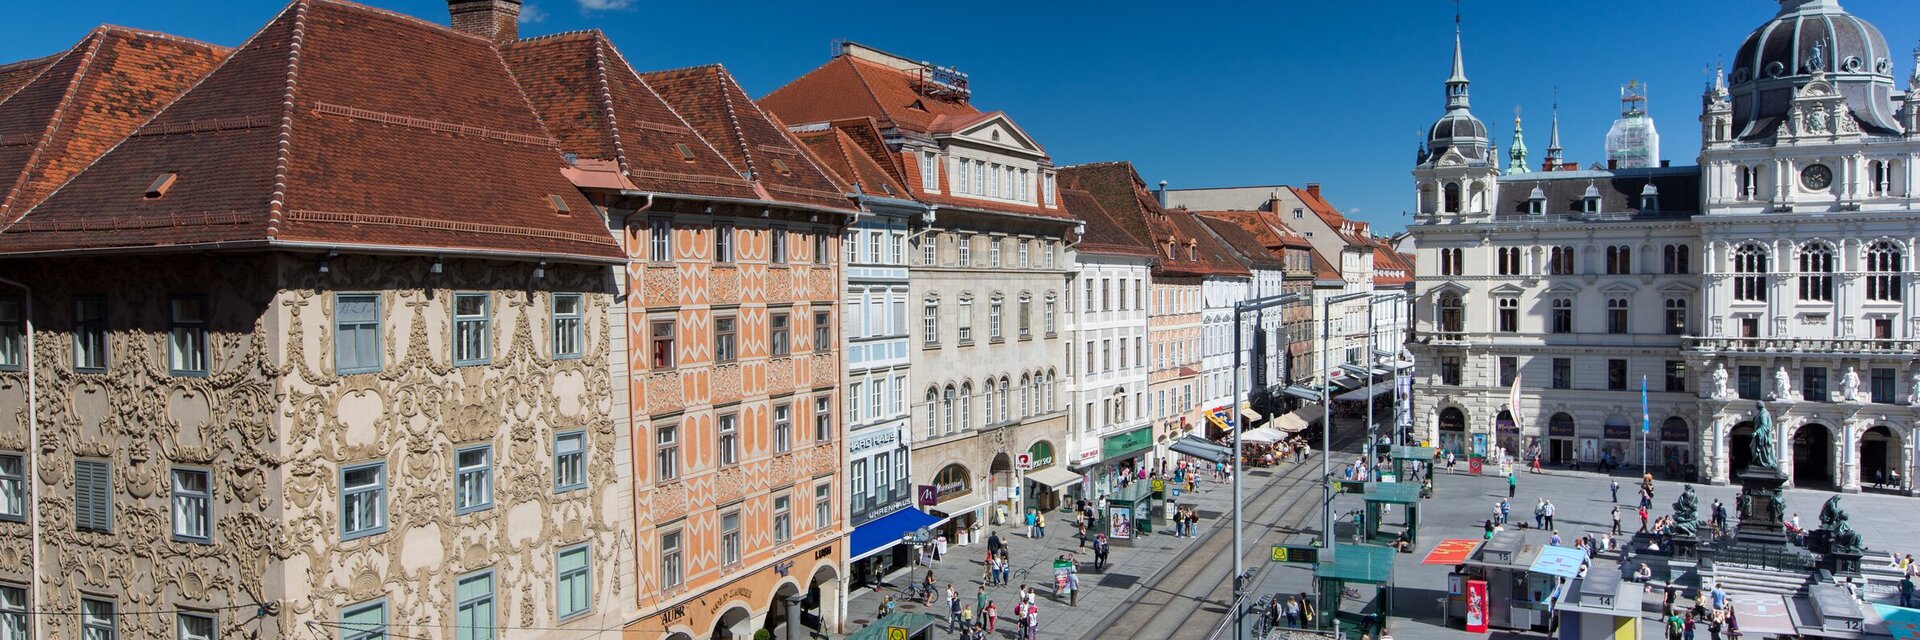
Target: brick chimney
<point>496,20</point>
<point>1313,189</point>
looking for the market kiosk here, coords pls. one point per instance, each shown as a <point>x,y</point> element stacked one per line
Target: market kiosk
<point>1357,565</point>
<point>1522,575</point>
<point>1129,514</point>
<point>1404,454</point>
<point>1600,606</point>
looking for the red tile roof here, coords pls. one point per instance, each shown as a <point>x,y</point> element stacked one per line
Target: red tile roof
<point>334,125</point>
<point>599,109</point>
<point>849,87</point>
<point>1250,251</point>
<point>1123,195</point>
<point>1322,269</point>
<point>74,106</point>
<point>14,75</point>
<point>752,140</point>
<point>1262,225</point>
<point>835,148</point>
<point>1102,235</point>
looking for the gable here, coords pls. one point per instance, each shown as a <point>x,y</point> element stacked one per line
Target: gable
<point>1000,131</point>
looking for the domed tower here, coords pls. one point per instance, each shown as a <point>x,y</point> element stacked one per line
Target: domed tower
<point>1456,174</point>
<point>1810,38</point>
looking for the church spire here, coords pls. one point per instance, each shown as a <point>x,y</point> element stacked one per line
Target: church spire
<point>1553,139</point>
<point>1517,153</point>
<point>1457,83</point>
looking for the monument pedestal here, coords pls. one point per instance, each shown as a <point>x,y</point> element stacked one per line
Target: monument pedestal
<point>1686,547</point>
<point>1762,505</point>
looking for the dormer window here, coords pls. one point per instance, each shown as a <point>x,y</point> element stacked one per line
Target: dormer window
<point>1590,201</point>
<point>686,152</point>
<point>1537,202</point>
<point>1650,199</point>
<point>161,184</point>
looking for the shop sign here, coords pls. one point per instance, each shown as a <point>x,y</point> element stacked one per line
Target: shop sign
<point>1040,455</point>
<point>1562,429</point>
<point>1087,456</point>
<point>1023,462</point>
<point>1115,446</point>
<point>1476,606</point>
<point>1617,432</point>
<point>1674,433</point>
<point>925,495</point>
<point>885,438</point>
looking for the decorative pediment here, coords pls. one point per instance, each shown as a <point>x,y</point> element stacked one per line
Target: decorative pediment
<point>995,129</point>
<point>1508,289</point>
<point>1449,286</point>
<point>1678,288</point>
<point>1563,289</point>
<point>1619,288</point>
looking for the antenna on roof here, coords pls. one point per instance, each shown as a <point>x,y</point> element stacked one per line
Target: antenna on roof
<point>1456,15</point>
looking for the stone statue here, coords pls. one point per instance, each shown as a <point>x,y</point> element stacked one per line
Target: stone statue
<point>1839,535</point>
<point>1782,385</point>
<point>1763,446</point>
<point>1850,386</point>
<point>1720,381</point>
<point>1686,513</point>
<point>1913,393</point>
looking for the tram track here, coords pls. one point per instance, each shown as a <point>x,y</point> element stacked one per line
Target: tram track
<point>1204,592</point>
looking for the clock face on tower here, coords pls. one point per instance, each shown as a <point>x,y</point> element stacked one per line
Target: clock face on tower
<point>1816,177</point>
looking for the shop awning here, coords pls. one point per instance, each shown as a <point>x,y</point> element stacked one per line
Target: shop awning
<point>880,535</point>
<point>1262,435</point>
<point>1053,477</point>
<point>1246,411</point>
<point>960,504</point>
<point>1360,393</point>
<point>1296,421</point>
<point>914,623</point>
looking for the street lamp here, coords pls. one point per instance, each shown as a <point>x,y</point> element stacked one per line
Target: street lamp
<point>1373,442</point>
<point>1240,309</point>
<point>1326,423</point>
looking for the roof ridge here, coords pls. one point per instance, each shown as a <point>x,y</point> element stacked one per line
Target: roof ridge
<point>668,104</point>
<point>224,59</point>
<point>872,95</point>
<point>606,105</point>
<point>780,127</point>
<point>557,36</point>
<point>733,121</point>
<point>277,201</point>
<point>161,35</point>
<point>355,6</point>
<point>501,56</point>
<point>86,48</point>
<point>48,59</point>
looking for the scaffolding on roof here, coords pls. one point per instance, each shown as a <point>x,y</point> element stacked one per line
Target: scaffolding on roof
<point>1633,142</point>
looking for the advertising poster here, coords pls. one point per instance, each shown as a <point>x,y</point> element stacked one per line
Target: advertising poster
<point>1477,606</point>
<point>1119,522</point>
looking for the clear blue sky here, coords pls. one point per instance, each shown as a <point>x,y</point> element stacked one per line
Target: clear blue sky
<point>1194,93</point>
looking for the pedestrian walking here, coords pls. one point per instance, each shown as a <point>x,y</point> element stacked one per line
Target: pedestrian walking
<point>1031,531</point>
<point>1906,591</point>
<point>1506,511</point>
<point>1643,519</point>
<point>1614,486</point>
<point>1307,610</point>
<point>1513,484</point>
<point>980,599</point>
<point>991,612</point>
<point>1547,512</point>
<point>1100,553</point>
<point>1540,513</point>
<point>953,608</point>
<point>1040,523</point>
<point>1616,520</point>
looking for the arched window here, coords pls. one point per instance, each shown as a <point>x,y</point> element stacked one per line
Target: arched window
<point>966,405</point>
<point>1560,260</point>
<point>1885,262</point>
<point>1750,272</point>
<point>946,410</point>
<point>1879,178</point>
<point>992,395</point>
<point>1562,320</point>
<point>1816,272</point>
<point>1005,390</point>
<point>1050,397</point>
<point>951,481</point>
<point>1676,316</point>
<point>1619,260</point>
<point>933,402</point>
<point>1616,315</point>
<point>1676,258</point>
<point>1453,197</point>
<point>1026,395</point>
<point>1453,314</point>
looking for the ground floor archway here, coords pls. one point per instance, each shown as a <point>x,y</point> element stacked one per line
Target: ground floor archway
<point>824,595</point>
<point>1000,484</point>
<point>1453,431</point>
<point>1881,458</point>
<point>1507,434</point>
<point>1812,447</point>
<point>733,625</point>
<point>1739,448</point>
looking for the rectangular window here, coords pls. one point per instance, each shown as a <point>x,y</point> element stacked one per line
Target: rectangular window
<point>97,621</point>
<point>963,246</point>
<point>929,251</point>
<point>929,171</point>
<point>1563,373</point>
<point>823,247</point>
<point>857,473</point>
<point>1509,369</point>
<point>193,505</point>
<point>1617,374</point>
<point>473,479</point>
<point>930,322</point>
<point>1025,257</point>
<point>473,607</point>
<point>567,329</point>
<point>13,489</point>
<point>660,336</point>
<point>779,334</point>
<point>822,506</point>
<point>666,451</point>
<point>1509,315</point>
<point>13,331</point>
<point>1024,317</point>
<point>823,413</point>
<point>730,539</point>
<point>472,339</point>
<point>782,519</point>
<point>1450,370</point>
<point>671,573</point>
<point>726,334</point>
<point>853,405</point>
<point>660,240</point>
<point>965,174</point>
<point>823,331</point>
<point>966,321</point>
<point>1676,316</point>
<point>1617,315</point>
<point>89,334</point>
<point>1677,376</point>
<point>363,500</point>
<point>92,496</point>
<point>1749,382</point>
<point>186,335</point>
<point>364,622</point>
<point>728,452</point>
<point>783,428</point>
<point>777,246</point>
<point>1047,316</point>
<point>1882,385</point>
<point>993,251</point>
<point>1813,384</point>
<point>192,626</point>
<point>569,461</point>
<point>574,588</point>
<point>356,333</point>
<point>723,243</point>
<point>993,319</point>
<point>1049,191</point>
<point>13,613</point>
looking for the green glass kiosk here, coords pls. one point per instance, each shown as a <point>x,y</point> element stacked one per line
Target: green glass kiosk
<point>1404,495</point>
<point>1356,565</point>
<point>1129,514</point>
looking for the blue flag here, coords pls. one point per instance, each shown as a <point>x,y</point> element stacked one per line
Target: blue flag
<point>1646,422</point>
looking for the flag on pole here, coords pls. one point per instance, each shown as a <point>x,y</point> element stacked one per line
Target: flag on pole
<point>1646,420</point>
<point>1513,400</point>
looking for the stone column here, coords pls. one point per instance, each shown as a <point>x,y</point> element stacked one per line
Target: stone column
<point>1847,471</point>
<point>794,603</point>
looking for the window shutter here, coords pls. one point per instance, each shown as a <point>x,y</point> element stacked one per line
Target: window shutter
<point>93,495</point>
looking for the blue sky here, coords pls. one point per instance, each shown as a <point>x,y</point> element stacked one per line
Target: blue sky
<point>1196,93</point>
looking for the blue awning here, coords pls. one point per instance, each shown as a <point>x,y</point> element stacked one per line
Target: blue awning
<point>877,536</point>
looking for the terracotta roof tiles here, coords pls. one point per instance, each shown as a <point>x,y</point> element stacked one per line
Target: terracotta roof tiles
<point>1119,190</point>
<point>1102,235</point>
<point>835,149</point>
<point>849,87</point>
<point>334,125</point>
<point>1248,249</point>
<point>749,138</point>
<point>14,75</point>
